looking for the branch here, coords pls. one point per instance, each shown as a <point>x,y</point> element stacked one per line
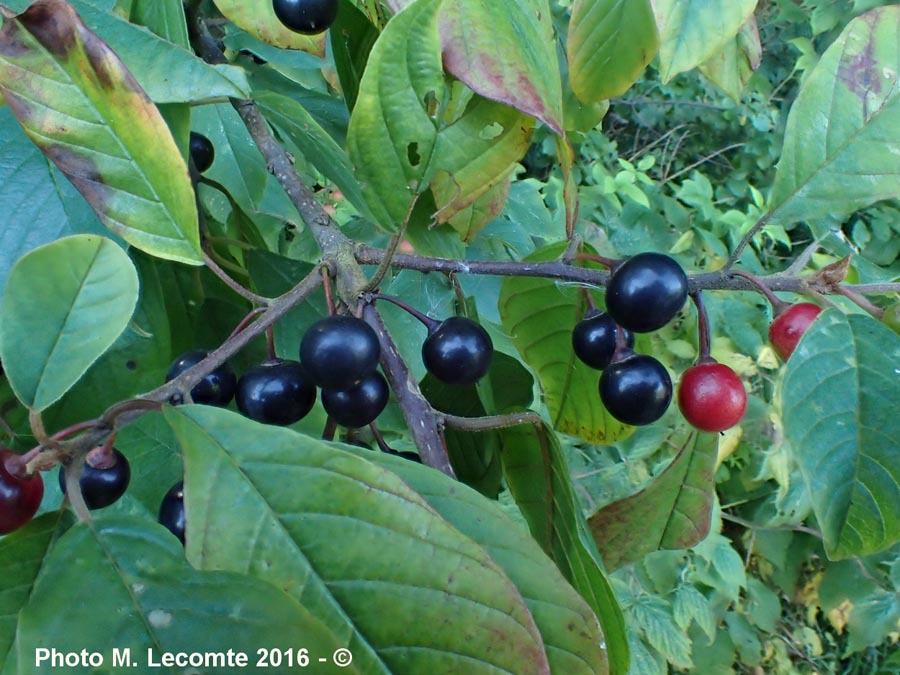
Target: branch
<point>742,244</point>
<point>492,422</point>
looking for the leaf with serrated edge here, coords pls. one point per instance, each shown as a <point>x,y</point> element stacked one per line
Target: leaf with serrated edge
<point>691,31</point>
<point>674,511</point>
<point>352,542</point>
<point>841,148</point>
<point>840,396</point>
<point>122,583</point>
<point>610,43</point>
<point>64,305</point>
<point>81,106</point>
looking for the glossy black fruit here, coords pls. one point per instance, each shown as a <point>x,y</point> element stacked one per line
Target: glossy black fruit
<point>217,388</point>
<point>101,487</point>
<point>202,151</point>
<point>171,511</point>
<point>360,404</point>
<point>636,390</point>
<point>594,339</point>
<point>646,291</point>
<point>458,351</point>
<point>339,351</point>
<point>306,16</point>
<point>276,392</point>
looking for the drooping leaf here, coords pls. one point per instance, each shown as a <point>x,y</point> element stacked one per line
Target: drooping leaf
<point>840,399</point>
<point>841,151</point>
<point>128,587</point>
<point>38,204</point>
<point>352,37</point>
<point>674,511</point>
<point>570,629</point>
<point>733,67</point>
<point>64,304</point>
<point>610,43</point>
<point>258,19</point>
<point>132,174</point>
<point>544,340</point>
<point>691,31</point>
<point>538,478</point>
<point>349,545</point>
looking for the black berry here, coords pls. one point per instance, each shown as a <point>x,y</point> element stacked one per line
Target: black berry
<point>217,388</point>
<point>306,16</point>
<point>594,339</point>
<point>360,404</point>
<point>458,351</point>
<point>171,511</point>
<point>636,390</point>
<point>103,484</point>
<point>646,291</point>
<point>339,351</point>
<point>202,151</point>
<point>276,392</point>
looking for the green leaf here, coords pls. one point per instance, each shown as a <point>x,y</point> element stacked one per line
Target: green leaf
<point>570,629</point>
<point>544,340</point>
<point>123,583</point>
<point>674,511</point>
<point>64,304</point>
<point>691,31</point>
<point>38,204</point>
<point>348,539</point>
<point>352,37</point>
<point>853,160</point>
<point>840,400</point>
<point>21,557</point>
<point>610,43</point>
<point>258,19</point>
<point>165,18</point>
<point>653,616</point>
<point>691,605</point>
<point>733,67</point>
<point>132,174</point>
<point>538,478</point>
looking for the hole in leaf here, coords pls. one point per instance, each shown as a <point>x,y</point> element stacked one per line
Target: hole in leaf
<point>412,154</point>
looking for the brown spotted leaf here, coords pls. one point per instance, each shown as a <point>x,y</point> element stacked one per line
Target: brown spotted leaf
<point>79,103</point>
<point>672,512</point>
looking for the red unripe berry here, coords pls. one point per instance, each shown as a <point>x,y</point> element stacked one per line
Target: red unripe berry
<point>711,397</point>
<point>789,326</point>
<point>20,495</point>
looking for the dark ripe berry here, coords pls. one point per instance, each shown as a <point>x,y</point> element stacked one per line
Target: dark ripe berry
<point>339,351</point>
<point>202,151</point>
<point>101,487</point>
<point>20,495</point>
<point>217,388</point>
<point>276,392</point>
<point>711,397</point>
<point>636,390</point>
<point>171,511</point>
<point>594,339</point>
<point>360,404</point>
<point>789,326</point>
<point>306,16</point>
<point>458,351</point>
<point>646,291</point>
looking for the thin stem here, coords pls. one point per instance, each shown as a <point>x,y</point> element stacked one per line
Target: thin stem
<point>329,430</point>
<point>428,322</point>
<point>270,342</point>
<point>751,233</point>
<point>382,444</point>
<point>702,160</point>
<point>329,296</point>
<point>777,305</point>
<point>855,297</point>
<point>231,283</point>
<point>385,265</point>
<point>608,263</point>
<point>255,312</point>
<point>490,422</point>
<point>702,328</point>
<point>103,457</point>
<point>589,300</point>
<point>755,526</point>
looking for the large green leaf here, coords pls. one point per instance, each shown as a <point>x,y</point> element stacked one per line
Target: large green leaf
<point>349,539</point>
<point>544,340</point>
<point>674,511</point>
<point>352,37</point>
<point>610,43</point>
<point>733,67</point>
<point>570,629</point>
<point>123,584</point>
<point>691,31</point>
<point>78,102</point>
<point>841,147</point>
<point>38,204</point>
<point>163,17</point>
<point>64,304</point>
<point>539,480</point>
<point>840,398</point>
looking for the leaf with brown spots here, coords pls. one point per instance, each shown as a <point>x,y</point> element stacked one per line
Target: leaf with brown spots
<point>672,512</point>
<point>81,106</point>
<point>258,18</point>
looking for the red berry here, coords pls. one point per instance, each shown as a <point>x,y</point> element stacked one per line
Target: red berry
<point>711,397</point>
<point>20,495</point>
<point>789,326</point>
